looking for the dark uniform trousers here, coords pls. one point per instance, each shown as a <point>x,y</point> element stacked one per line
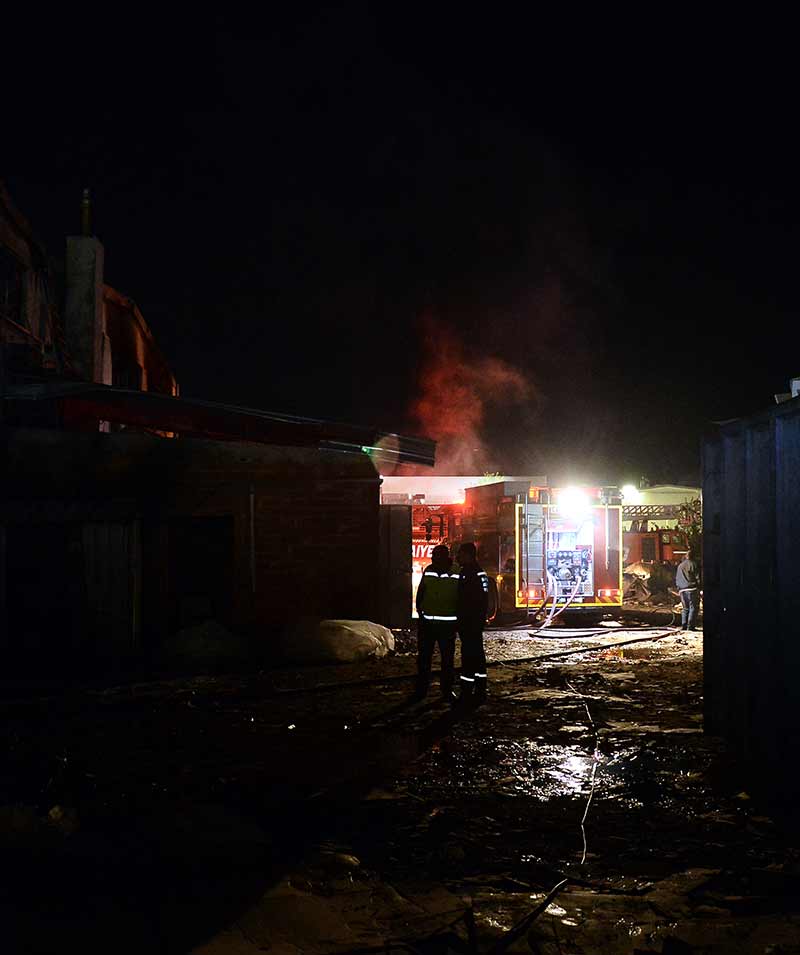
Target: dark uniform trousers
<point>429,634</point>
<point>473,659</point>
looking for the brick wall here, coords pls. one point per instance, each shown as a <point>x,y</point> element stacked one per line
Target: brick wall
<point>311,544</point>
<point>310,548</point>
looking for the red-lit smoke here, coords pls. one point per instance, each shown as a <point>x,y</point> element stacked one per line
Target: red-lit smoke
<point>455,391</point>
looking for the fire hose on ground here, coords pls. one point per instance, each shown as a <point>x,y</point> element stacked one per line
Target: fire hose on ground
<point>656,633</point>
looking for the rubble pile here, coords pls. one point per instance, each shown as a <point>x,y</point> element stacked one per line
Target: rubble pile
<point>650,585</point>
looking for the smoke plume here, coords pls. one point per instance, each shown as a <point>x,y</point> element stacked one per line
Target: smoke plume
<point>456,391</point>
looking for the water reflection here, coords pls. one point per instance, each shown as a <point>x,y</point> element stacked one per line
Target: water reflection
<point>532,768</point>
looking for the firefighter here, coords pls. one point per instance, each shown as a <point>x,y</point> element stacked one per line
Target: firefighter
<point>473,603</point>
<point>436,605</point>
<point>687,580</point>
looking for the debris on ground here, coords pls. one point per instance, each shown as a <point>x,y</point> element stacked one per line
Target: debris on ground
<point>204,646</point>
<point>336,641</point>
<point>312,809</point>
<point>649,585</point>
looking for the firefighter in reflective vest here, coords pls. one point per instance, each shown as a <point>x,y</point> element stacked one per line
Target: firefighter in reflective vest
<point>436,605</point>
<point>473,604</point>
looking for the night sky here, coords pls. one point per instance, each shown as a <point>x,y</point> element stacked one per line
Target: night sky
<point>610,212</point>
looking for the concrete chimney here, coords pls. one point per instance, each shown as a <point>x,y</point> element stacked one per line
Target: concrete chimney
<point>83,318</point>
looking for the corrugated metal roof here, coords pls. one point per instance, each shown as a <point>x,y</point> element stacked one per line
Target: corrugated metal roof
<point>82,402</point>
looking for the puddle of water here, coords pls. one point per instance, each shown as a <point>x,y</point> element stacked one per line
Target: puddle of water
<point>632,774</point>
<point>524,767</point>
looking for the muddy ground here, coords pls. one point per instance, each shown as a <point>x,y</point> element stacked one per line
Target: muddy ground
<point>315,811</point>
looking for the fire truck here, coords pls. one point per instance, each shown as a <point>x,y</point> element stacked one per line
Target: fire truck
<point>544,548</point>
<point>648,541</point>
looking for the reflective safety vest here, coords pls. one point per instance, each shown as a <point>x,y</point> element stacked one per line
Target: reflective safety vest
<point>440,594</point>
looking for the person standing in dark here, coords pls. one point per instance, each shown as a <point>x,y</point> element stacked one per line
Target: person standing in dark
<point>473,603</point>
<point>437,596</point>
<point>687,580</point>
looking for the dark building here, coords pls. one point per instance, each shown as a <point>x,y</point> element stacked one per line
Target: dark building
<point>28,327</point>
<point>107,338</point>
<point>81,330</point>
<point>114,536</point>
<point>114,541</point>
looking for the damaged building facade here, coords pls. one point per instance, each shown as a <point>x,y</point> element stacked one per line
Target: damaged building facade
<point>128,513</point>
<point>28,326</point>
<point>107,338</point>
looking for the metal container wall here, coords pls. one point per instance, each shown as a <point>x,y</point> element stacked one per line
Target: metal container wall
<point>751,578</point>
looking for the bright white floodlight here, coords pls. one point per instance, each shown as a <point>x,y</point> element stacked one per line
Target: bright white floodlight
<point>631,494</point>
<point>574,504</point>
